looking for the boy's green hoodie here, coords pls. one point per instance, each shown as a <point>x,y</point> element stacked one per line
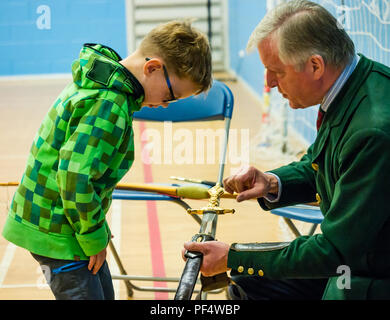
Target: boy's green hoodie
<point>82,149</point>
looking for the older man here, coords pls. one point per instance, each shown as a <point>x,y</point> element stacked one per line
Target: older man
<point>311,60</point>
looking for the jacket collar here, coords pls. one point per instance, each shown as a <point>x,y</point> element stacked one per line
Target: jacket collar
<point>342,107</point>
<point>338,84</point>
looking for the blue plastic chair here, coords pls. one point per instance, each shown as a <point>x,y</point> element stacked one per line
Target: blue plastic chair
<point>216,104</point>
<point>306,213</point>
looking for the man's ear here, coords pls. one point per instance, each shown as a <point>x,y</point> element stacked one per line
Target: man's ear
<point>316,66</point>
<point>152,65</point>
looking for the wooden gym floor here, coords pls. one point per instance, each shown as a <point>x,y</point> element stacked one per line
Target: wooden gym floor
<point>148,236</point>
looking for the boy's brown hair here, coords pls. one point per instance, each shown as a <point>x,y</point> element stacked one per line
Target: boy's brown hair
<point>184,49</point>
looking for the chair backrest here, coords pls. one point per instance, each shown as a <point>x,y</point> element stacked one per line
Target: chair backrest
<point>216,104</point>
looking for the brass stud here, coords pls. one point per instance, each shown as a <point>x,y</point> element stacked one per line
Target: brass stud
<point>260,273</point>
<point>240,269</point>
<point>251,271</point>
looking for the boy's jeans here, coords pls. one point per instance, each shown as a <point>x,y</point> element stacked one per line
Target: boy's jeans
<point>78,284</point>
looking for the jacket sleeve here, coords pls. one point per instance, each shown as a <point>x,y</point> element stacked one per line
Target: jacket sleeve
<point>298,183</point>
<point>83,159</point>
<point>352,225</point>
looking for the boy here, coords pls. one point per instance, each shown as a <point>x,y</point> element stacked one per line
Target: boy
<point>85,146</point>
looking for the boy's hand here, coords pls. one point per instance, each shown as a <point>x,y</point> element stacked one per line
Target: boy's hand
<point>97,261</point>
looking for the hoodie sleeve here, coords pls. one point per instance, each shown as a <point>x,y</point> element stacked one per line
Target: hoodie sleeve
<point>83,160</point>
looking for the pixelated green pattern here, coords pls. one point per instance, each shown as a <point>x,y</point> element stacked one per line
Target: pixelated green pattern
<point>82,149</point>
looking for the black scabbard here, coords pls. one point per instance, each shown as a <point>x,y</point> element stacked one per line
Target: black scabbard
<point>191,270</point>
<point>189,276</point>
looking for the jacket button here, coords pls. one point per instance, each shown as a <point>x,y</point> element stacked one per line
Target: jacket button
<point>314,166</point>
<point>251,271</point>
<point>240,269</point>
<point>318,198</point>
<point>260,273</point>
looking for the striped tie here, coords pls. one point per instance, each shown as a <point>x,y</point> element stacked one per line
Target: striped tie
<point>320,117</point>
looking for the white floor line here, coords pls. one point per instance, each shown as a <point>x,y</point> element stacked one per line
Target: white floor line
<point>116,224</point>
<point>6,261</point>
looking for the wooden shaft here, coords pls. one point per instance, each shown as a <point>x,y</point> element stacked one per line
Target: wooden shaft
<point>162,189</point>
<point>169,190</point>
<point>9,184</point>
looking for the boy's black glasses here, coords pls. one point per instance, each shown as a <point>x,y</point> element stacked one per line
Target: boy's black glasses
<point>173,98</point>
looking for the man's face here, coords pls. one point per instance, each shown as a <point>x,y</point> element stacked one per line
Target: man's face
<point>298,87</point>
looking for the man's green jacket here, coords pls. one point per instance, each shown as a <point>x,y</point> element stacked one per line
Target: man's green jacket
<point>348,165</point>
<point>83,148</point>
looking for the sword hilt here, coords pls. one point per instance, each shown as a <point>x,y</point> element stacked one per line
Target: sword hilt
<point>213,206</point>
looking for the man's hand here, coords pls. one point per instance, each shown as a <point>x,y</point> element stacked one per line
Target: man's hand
<point>215,254</point>
<point>97,261</point>
<point>251,183</point>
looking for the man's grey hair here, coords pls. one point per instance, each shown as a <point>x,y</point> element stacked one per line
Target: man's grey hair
<point>301,29</point>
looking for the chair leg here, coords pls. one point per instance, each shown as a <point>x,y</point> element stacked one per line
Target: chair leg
<point>122,270</point>
<point>292,227</point>
<point>131,287</point>
<point>313,229</point>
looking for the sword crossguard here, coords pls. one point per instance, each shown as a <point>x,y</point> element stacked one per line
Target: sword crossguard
<point>213,206</point>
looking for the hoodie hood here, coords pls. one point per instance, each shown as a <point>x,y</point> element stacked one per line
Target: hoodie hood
<point>98,67</point>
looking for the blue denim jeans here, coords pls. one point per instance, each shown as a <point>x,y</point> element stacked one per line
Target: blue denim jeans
<point>79,284</point>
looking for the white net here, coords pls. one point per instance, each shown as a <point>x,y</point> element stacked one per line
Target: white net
<point>284,132</point>
<point>368,24</point>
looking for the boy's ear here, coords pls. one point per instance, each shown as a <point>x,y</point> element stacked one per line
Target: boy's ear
<point>152,65</point>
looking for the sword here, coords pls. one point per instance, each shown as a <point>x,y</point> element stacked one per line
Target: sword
<point>206,233</point>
